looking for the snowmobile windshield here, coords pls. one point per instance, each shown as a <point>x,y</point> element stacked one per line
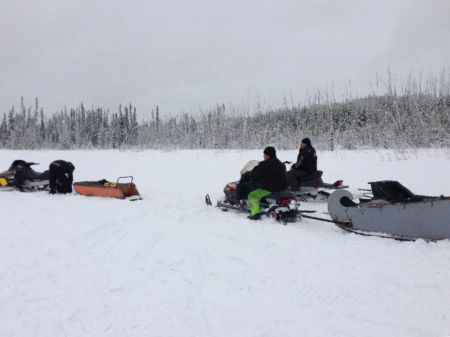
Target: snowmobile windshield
<point>249,166</point>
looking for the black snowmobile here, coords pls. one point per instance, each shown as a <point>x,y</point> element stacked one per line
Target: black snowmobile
<point>20,176</point>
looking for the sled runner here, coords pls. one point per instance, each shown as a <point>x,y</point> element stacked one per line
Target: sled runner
<point>107,189</point>
<point>392,211</point>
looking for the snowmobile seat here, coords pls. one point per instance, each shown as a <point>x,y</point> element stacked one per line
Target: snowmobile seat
<point>311,180</point>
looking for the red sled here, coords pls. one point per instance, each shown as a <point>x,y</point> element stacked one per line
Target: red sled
<point>106,189</point>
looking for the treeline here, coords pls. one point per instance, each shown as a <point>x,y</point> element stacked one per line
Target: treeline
<point>417,116</point>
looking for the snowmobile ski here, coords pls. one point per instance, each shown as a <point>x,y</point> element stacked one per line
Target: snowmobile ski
<point>283,213</point>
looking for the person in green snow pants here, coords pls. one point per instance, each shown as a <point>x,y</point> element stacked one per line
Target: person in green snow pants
<point>270,176</point>
<point>254,198</point>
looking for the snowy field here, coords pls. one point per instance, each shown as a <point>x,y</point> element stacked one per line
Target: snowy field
<point>169,266</point>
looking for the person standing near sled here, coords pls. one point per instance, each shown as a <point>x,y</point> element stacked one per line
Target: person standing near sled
<point>270,175</point>
<point>61,176</point>
<point>306,164</point>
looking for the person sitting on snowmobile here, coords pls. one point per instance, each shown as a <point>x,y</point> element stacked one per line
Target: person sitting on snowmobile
<point>246,184</point>
<point>270,175</point>
<point>61,176</point>
<point>306,164</point>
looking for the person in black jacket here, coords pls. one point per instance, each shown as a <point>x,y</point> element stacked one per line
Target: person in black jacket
<point>306,164</point>
<point>61,176</point>
<point>270,175</point>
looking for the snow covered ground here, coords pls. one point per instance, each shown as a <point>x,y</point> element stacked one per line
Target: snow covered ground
<point>169,266</point>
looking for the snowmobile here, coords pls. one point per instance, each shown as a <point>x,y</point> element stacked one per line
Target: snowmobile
<point>310,188</point>
<point>390,210</point>
<point>282,206</point>
<point>20,176</point>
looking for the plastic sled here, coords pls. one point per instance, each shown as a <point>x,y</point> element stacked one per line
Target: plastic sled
<point>107,189</point>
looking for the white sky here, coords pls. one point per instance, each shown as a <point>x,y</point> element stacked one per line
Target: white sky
<point>186,54</point>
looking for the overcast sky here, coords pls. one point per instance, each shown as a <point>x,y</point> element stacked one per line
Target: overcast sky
<point>186,54</point>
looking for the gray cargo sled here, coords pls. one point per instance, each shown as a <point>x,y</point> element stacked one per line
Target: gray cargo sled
<point>391,210</point>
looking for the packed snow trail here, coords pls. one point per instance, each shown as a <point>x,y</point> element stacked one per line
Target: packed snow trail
<point>170,266</point>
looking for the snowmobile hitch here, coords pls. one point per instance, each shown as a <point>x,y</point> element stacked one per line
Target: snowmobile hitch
<point>291,215</point>
<point>347,224</point>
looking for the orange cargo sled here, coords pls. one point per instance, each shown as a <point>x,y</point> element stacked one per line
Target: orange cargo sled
<point>107,189</point>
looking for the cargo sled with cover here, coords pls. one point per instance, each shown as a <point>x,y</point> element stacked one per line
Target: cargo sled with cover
<point>391,210</point>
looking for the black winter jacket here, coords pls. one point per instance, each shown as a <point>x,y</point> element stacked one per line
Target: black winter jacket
<point>307,160</point>
<point>270,175</point>
<point>61,176</point>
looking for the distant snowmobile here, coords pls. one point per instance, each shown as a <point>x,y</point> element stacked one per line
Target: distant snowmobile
<point>20,176</point>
